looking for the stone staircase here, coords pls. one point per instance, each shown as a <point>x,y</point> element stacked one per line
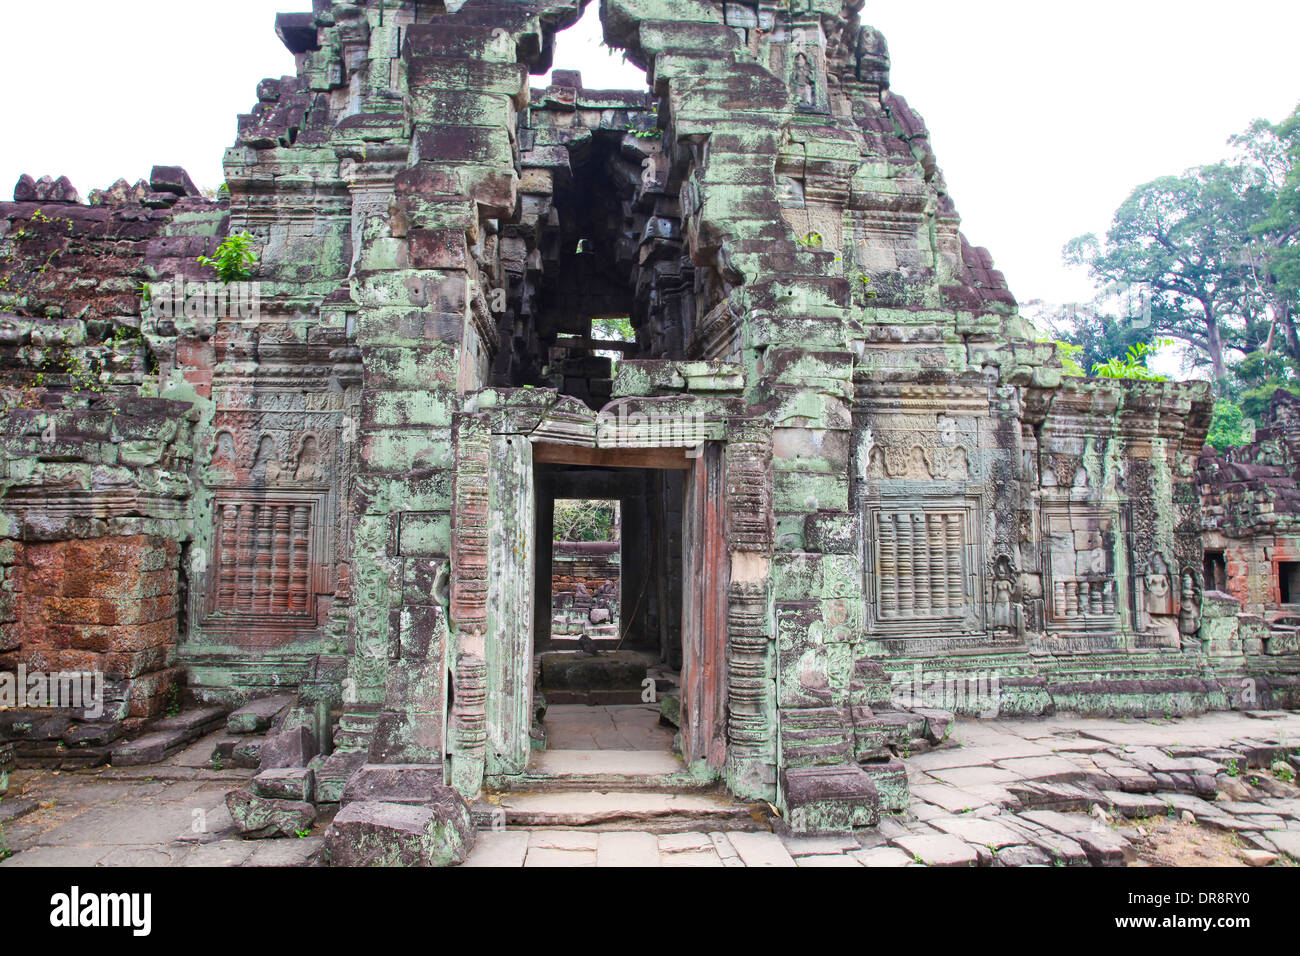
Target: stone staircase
<point>643,790</point>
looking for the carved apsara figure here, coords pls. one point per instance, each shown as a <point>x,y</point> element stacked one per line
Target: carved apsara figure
<point>803,82</point>
<point>308,469</point>
<point>266,466</point>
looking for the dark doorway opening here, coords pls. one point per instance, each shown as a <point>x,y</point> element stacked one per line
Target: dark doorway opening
<point>608,615</point>
<point>1288,582</point>
<point>1216,571</point>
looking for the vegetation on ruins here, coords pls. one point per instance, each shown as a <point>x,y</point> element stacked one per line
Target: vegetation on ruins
<point>1133,365</point>
<point>585,520</point>
<point>1211,259</point>
<point>234,260</point>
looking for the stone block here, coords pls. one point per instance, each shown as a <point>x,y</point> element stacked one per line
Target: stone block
<point>286,783</point>
<point>256,716</point>
<point>393,783</point>
<point>259,818</point>
<point>290,748</point>
<point>830,799</point>
<point>369,833</point>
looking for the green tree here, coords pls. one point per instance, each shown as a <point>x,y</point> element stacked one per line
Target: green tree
<point>1099,330</point>
<point>585,520</point>
<point>1181,238</point>
<point>1227,427</point>
<point>1271,155</point>
<point>1133,365</point>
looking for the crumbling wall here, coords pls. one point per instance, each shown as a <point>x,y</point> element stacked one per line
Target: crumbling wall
<point>585,589</point>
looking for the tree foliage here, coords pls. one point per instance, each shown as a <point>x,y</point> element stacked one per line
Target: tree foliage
<point>1214,250</point>
<point>1133,365</point>
<point>585,520</point>
<point>1214,253</point>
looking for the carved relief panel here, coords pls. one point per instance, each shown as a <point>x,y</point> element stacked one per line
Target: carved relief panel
<point>1082,584</point>
<point>274,474</point>
<point>924,566</point>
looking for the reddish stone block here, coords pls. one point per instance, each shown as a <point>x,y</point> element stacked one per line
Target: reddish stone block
<point>437,248</point>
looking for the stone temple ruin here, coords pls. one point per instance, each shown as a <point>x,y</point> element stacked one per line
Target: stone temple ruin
<point>846,464</point>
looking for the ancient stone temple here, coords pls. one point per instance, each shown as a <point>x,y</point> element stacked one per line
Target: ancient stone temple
<point>846,465</point>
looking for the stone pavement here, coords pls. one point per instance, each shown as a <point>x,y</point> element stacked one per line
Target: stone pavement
<point>1052,791</point>
<point>609,727</point>
<point>171,814</point>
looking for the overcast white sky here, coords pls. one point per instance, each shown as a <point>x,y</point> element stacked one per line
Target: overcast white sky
<point>1044,114</point>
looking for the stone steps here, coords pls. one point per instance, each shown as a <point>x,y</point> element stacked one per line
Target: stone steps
<point>169,736</point>
<point>561,771</point>
<point>641,810</point>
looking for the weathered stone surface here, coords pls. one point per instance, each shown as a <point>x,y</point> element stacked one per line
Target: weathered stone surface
<point>439,833</point>
<point>613,670</point>
<point>247,753</point>
<point>394,783</point>
<point>256,716</point>
<point>291,748</point>
<point>258,817</point>
<point>289,783</point>
<point>937,850</point>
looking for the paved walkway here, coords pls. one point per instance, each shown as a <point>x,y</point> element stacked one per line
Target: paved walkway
<point>610,727</point>
<point>998,793</point>
<point>172,814</point>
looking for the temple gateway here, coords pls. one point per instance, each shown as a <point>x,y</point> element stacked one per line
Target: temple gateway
<point>855,493</point>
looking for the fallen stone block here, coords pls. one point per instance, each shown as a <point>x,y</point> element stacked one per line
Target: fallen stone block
<point>291,748</point>
<point>258,818</point>
<point>830,799</point>
<point>247,754</point>
<point>333,773</point>
<point>286,783</point>
<point>393,783</point>
<point>256,716</point>
<point>369,833</point>
<point>937,723</point>
<point>890,779</point>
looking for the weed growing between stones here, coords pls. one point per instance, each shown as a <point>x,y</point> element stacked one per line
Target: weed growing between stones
<point>234,260</point>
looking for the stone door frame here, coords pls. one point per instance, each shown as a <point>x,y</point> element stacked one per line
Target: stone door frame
<point>493,554</point>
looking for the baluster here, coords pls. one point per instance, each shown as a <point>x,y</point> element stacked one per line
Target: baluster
<point>956,563</point>
<point>300,587</point>
<point>906,585</point>
<point>262,598</point>
<point>887,573</point>
<point>244,585</point>
<point>280,560</point>
<point>921,552</point>
<point>227,557</point>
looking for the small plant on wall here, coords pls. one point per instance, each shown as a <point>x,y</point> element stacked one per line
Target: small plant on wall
<point>234,260</point>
